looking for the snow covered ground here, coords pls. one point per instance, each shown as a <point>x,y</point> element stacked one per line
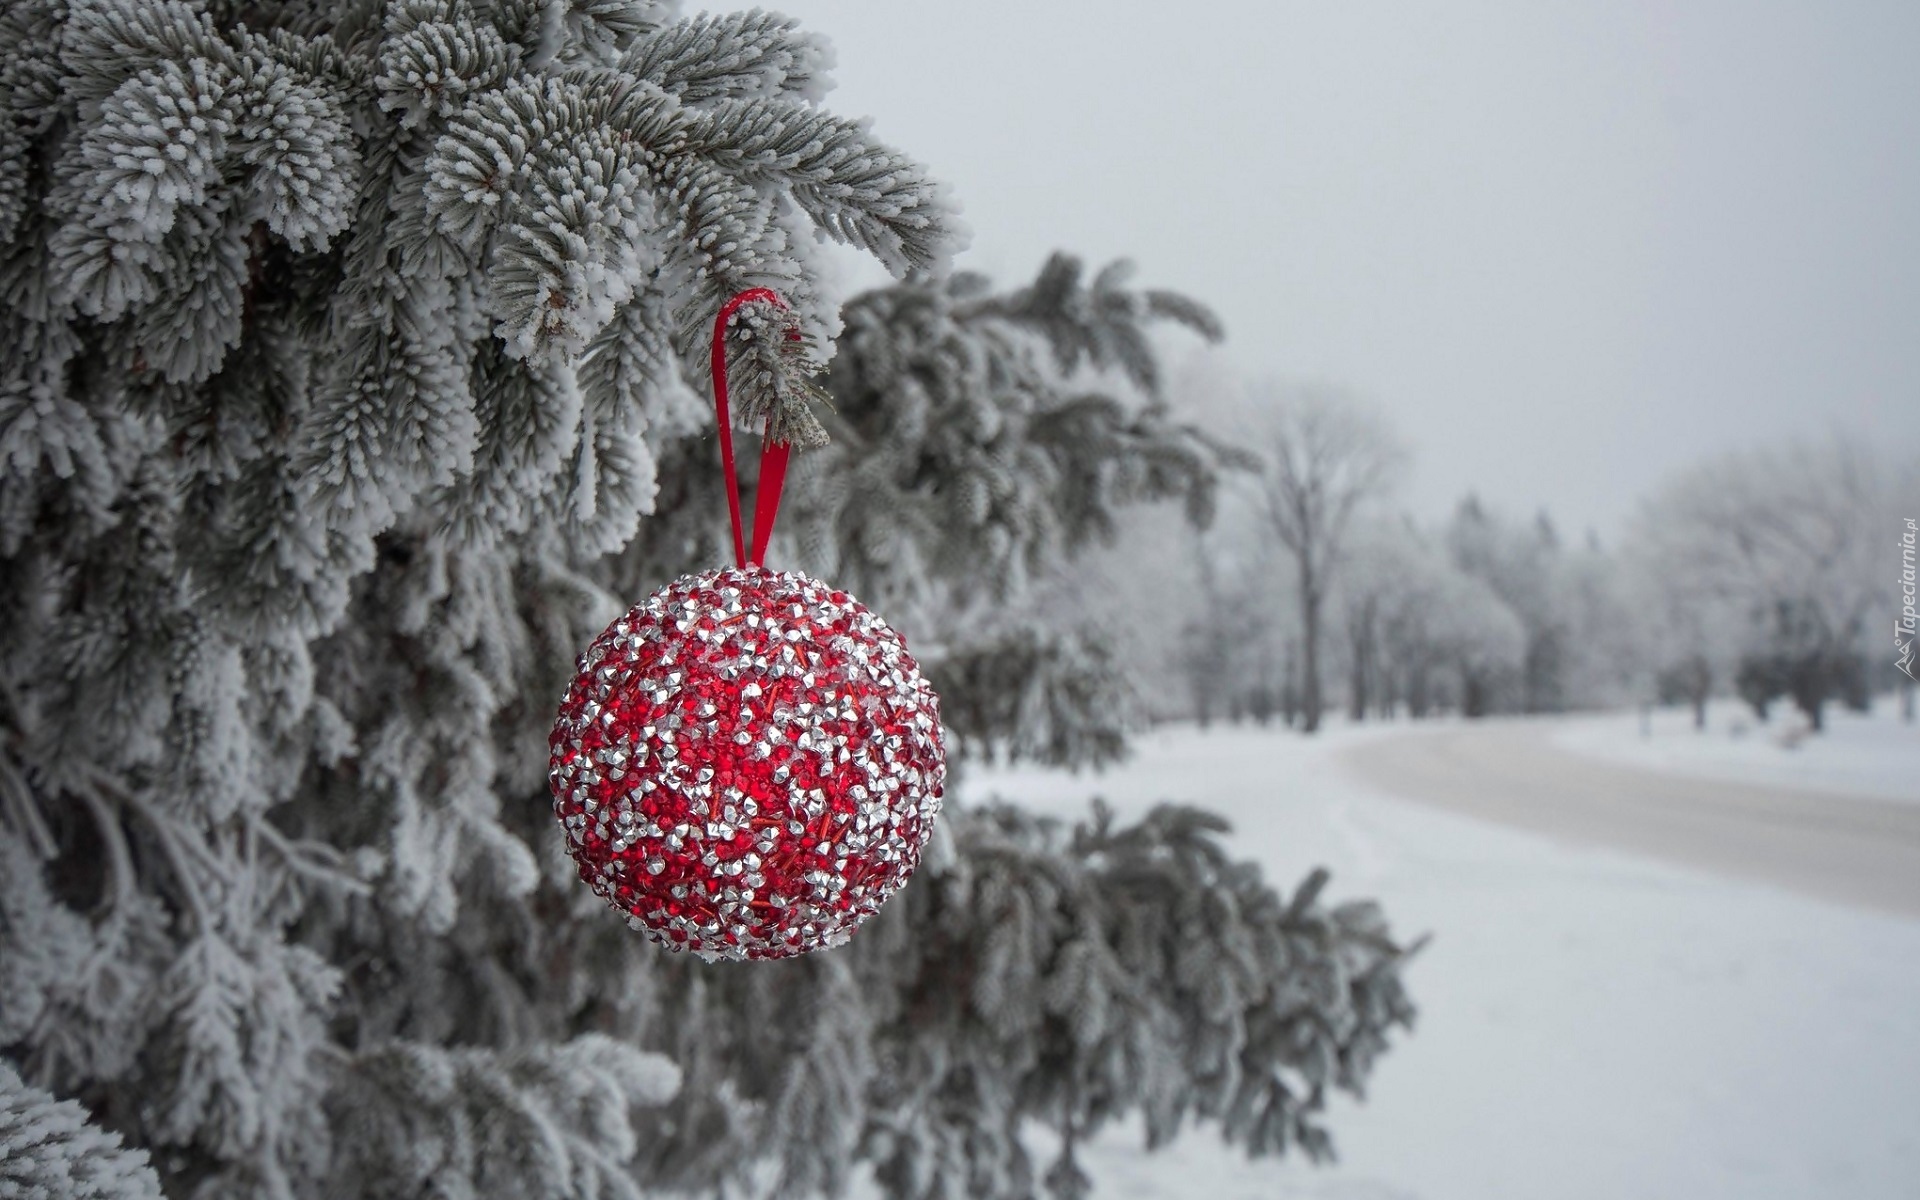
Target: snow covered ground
<point>1593,1026</point>
<point>1872,754</point>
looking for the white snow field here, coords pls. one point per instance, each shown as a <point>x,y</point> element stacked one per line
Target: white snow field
<point>1869,754</point>
<point>1593,1025</point>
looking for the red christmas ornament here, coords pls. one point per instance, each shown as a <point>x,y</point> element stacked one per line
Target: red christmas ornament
<point>749,762</point>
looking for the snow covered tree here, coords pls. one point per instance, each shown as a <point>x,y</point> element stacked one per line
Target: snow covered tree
<point>1604,662</point>
<point>350,385</point>
<point>1374,589</point>
<point>1237,649</point>
<point>1324,457</point>
<point>1246,638</point>
<point>1522,564</point>
<point>1582,640</point>
<point>1783,552</point>
<point>1436,636</point>
<point>1686,635</point>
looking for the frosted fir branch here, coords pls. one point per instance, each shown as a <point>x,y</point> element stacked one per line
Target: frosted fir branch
<point>394,418</point>
<point>319,58</point>
<point>855,189</point>
<point>213,1097</point>
<point>569,270</point>
<point>20,808</point>
<point>1075,975</point>
<point>730,56</point>
<point>30,32</point>
<point>186,855</point>
<point>632,366</point>
<point>806,1110</point>
<point>295,137</point>
<point>282,568</point>
<point>546,1121</point>
<point>534,178</point>
<point>46,431</point>
<point>567,170</point>
<point>104,43</point>
<point>120,866</point>
<point>478,164</point>
<point>530,412</point>
<point>89,1018</point>
<point>315,861</point>
<point>209,767</point>
<point>1033,694</point>
<point>729,238</point>
<point>770,376</point>
<point>636,398</point>
<point>435,57</point>
<point>51,1148</point>
<point>1105,455</point>
<point>167,138</point>
<point>968,462</point>
<point>42,942</point>
<point>1183,310</point>
<point>611,482</point>
<point>200,278</point>
<point>598,32</point>
<point>158,146</point>
<point>1102,324</point>
<point>241,1019</point>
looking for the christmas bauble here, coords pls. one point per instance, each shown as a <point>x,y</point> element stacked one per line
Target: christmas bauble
<point>748,764</point>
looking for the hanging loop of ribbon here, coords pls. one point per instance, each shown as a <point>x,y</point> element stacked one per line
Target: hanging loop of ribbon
<point>773,455</point>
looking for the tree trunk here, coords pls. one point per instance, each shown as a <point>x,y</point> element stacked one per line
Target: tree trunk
<point>1309,653</point>
<point>1290,692</point>
<point>1360,640</point>
<point>1260,702</point>
<point>1700,684</point>
<point>1357,689</point>
<point>1809,685</point>
<point>1473,694</point>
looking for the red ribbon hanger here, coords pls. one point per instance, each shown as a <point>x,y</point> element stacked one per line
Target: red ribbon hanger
<point>773,455</point>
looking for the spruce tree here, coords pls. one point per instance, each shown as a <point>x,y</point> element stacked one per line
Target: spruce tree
<point>351,383</point>
<point>49,1150</point>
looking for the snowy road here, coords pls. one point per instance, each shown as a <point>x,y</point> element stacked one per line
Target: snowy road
<point>1853,849</point>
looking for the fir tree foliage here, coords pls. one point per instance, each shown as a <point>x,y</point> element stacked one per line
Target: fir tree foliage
<point>325,324</point>
<point>970,447</point>
<point>1037,693</point>
<point>345,396</point>
<point>50,1150</point>
<point>767,351</point>
<point>1170,982</point>
<point>547,1121</point>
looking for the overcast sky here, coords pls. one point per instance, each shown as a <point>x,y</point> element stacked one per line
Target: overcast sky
<point>1565,247</point>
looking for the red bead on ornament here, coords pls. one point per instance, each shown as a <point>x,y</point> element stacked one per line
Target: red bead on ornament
<point>749,762</point>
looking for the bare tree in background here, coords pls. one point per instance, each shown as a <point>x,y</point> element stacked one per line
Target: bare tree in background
<point>1324,455</point>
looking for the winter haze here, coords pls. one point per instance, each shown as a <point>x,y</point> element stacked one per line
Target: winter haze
<point>1567,248</point>
<point>1325,817</point>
